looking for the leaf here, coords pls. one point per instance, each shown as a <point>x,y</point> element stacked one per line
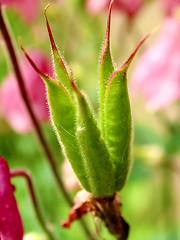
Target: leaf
<point>105,70</point>
<point>118,122</point>
<point>93,149</point>
<point>63,72</point>
<point>63,114</point>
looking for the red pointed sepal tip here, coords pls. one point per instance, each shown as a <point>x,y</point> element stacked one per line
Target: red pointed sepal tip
<point>10,221</point>
<point>109,22</point>
<point>39,72</point>
<point>107,37</point>
<point>63,71</point>
<point>53,45</point>
<point>126,65</point>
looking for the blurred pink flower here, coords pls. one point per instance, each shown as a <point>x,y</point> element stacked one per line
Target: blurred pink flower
<point>130,7</point>
<point>157,74</point>
<point>10,221</point>
<point>28,9</point>
<point>71,182</point>
<point>12,107</point>
<point>170,6</point>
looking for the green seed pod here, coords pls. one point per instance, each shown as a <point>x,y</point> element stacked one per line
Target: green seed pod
<point>118,126</point>
<point>100,158</point>
<point>115,112</point>
<point>63,116</point>
<point>93,149</point>
<point>94,156</point>
<point>118,122</point>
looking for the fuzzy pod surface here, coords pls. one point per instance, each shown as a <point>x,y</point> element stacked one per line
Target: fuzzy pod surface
<point>100,156</point>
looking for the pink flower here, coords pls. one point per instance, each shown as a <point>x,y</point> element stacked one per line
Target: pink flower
<point>12,107</point>
<point>94,7</point>
<point>11,227</point>
<point>170,6</point>
<point>71,182</point>
<point>28,9</point>
<point>130,7</point>
<point>157,74</point>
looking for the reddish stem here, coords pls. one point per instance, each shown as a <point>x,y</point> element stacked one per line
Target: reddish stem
<point>26,176</point>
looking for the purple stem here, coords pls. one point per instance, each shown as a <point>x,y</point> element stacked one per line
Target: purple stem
<point>26,176</point>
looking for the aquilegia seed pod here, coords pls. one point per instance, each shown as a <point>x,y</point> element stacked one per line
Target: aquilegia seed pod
<point>100,156</point>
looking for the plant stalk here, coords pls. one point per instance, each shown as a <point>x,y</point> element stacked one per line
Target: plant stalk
<point>26,176</point>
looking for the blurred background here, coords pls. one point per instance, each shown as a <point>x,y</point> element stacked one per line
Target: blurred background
<point>151,197</point>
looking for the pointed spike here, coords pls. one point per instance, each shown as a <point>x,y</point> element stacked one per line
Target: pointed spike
<point>109,20</point>
<point>40,73</point>
<point>108,28</point>
<point>63,72</point>
<point>126,65</point>
<point>53,45</point>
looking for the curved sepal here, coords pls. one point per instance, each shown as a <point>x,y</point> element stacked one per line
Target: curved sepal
<point>106,69</point>
<point>93,149</point>
<point>63,116</point>
<point>63,72</point>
